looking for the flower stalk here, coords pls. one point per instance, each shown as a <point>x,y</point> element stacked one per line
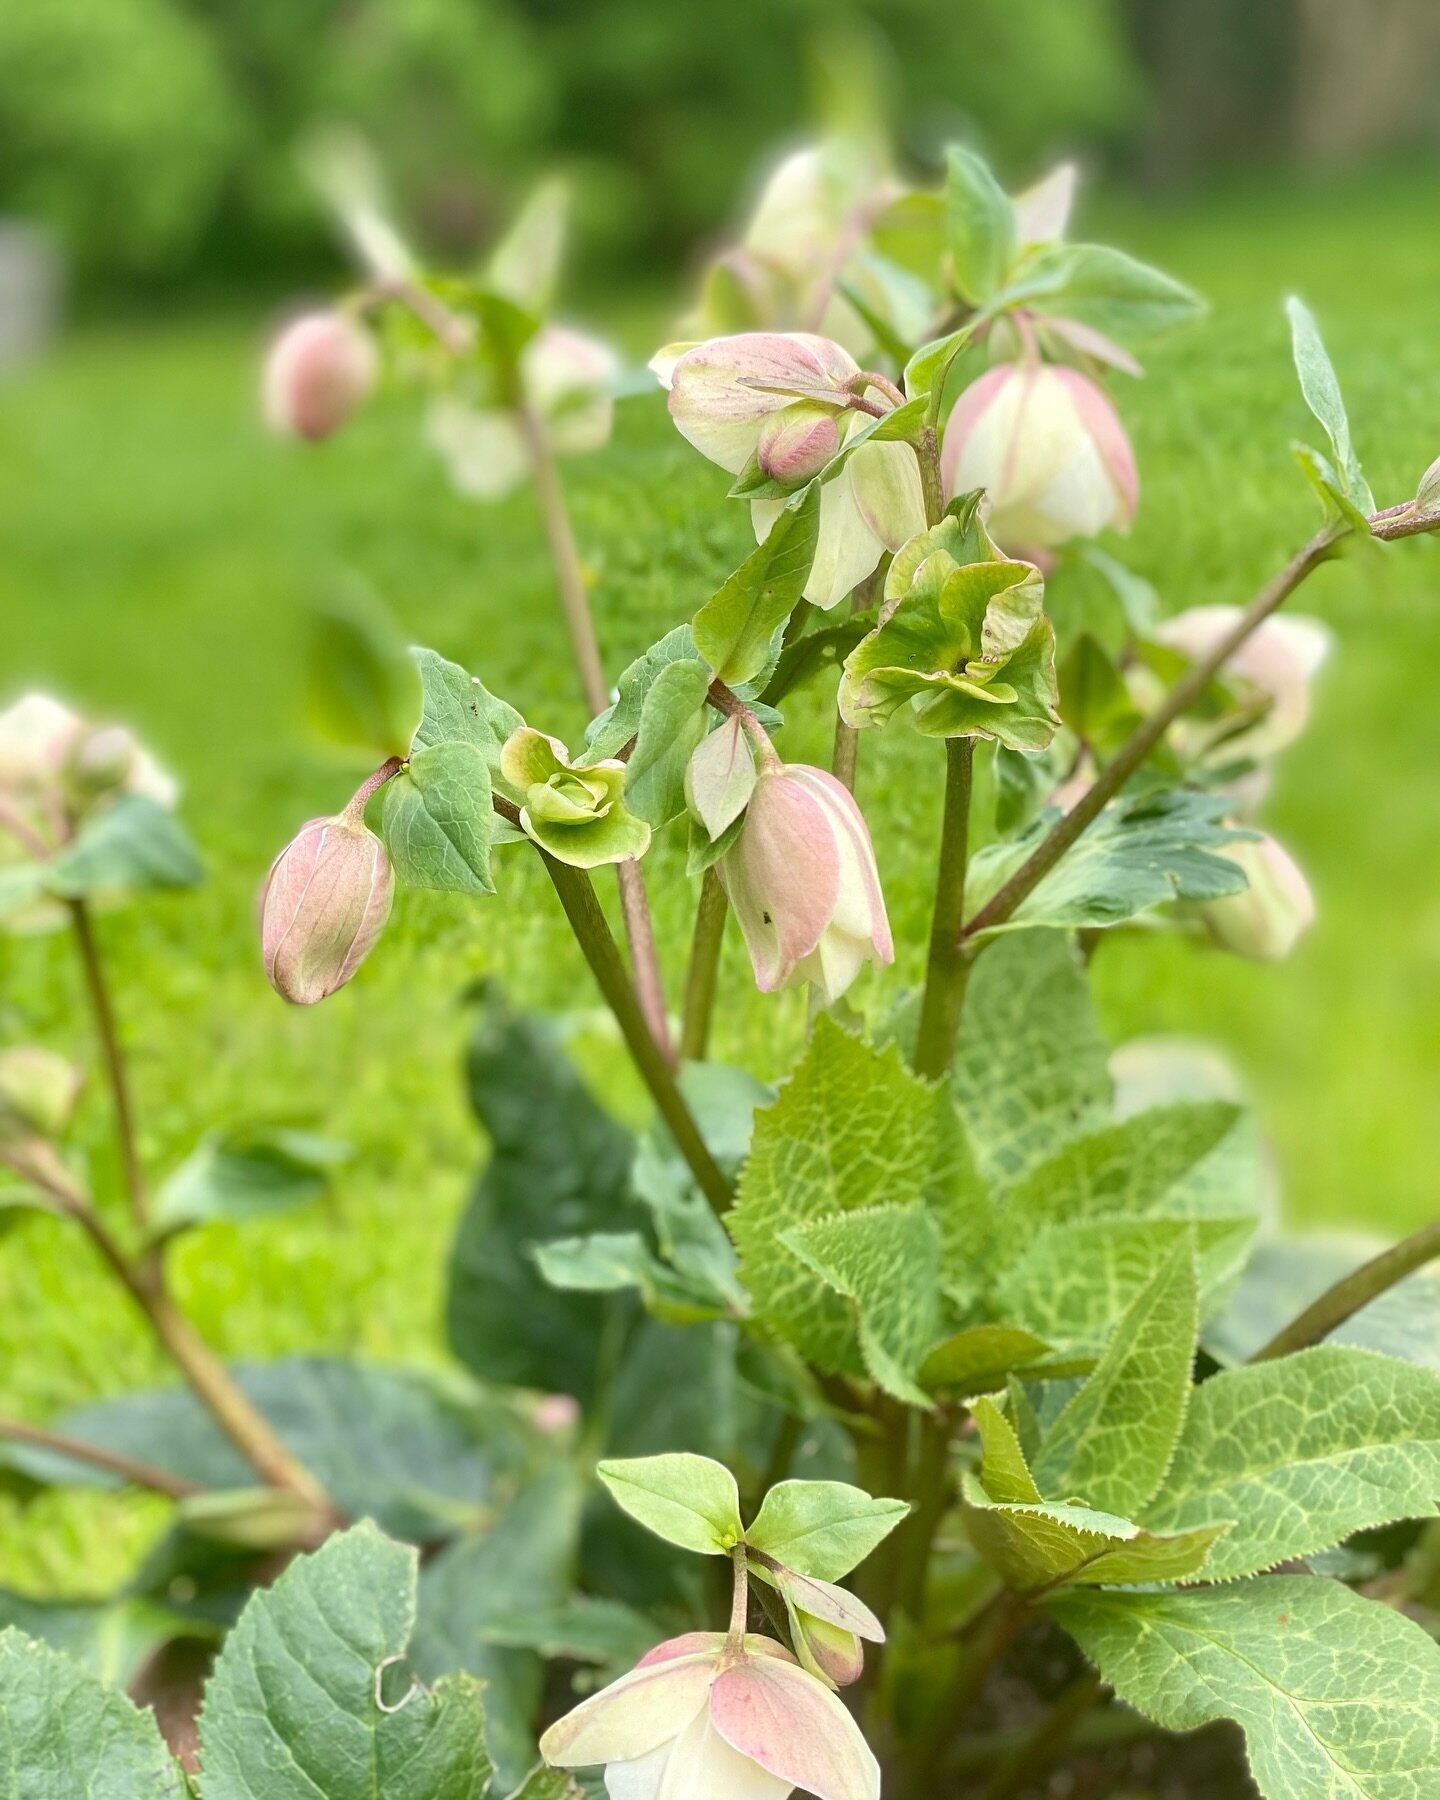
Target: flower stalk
<point>703,974</point>
<point>947,971</point>
<point>117,1077</point>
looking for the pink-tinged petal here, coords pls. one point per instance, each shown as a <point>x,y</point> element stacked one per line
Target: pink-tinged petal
<point>797,442</point>
<point>1043,211</point>
<point>965,418</point>
<point>323,905</point>
<point>835,1605</point>
<point>792,1725</point>
<point>832,1655</point>
<point>318,371</point>
<point>860,903</point>
<point>641,1779</point>
<point>691,1643</point>
<point>885,479</point>
<point>703,1766</point>
<point>633,1716</point>
<point>781,875</point>
<point>847,550</point>
<point>1102,423</point>
<point>1279,659</point>
<point>1090,342</point>
<point>722,390</point>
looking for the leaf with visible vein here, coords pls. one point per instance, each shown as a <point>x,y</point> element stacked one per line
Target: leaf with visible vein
<point>733,631</point>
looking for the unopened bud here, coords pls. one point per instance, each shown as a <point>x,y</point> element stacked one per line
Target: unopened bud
<point>37,1092</point>
<point>1269,918</point>
<point>796,444</point>
<point>323,905</point>
<point>318,371</point>
<point>1427,495</point>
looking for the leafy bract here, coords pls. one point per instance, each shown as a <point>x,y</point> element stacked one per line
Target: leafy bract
<point>1338,1696</point>
<point>1103,288</point>
<point>1323,397</point>
<point>822,1528</point>
<point>671,724</point>
<point>1113,1441</point>
<point>733,631</point>
<point>688,1500</point>
<point>608,734</point>
<point>133,844</point>
<point>460,709</point>
<point>294,1706</point>
<point>607,1634</point>
<point>981,227</point>
<point>1303,1451</point>
<point>64,1734</point>
<point>436,819</point>
<point>720,778</point>
<point>1139,853</point>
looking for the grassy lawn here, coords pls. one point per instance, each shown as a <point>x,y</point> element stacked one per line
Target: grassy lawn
<point>156,558</point>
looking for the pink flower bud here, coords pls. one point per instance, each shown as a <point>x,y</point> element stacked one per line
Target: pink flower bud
<point>38,1090</point>
<point>323,905</point>
<point>1269,918</point>
<point>1050,451</point>
<point>1279,659</point>
<point>802,879</point>
<point>318,371</point>
<point>36,735</point>
<point>722,392</point>
<point>796,444</point>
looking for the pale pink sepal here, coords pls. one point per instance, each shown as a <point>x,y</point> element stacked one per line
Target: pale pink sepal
<point>723,389</point>
<point>792,1725</point>
<point>633,1716</point>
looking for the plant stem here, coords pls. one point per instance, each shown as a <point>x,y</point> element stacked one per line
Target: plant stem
<point>116,1076</point>
<point>129,1468</point>
<point>1050,1736</point>
<point>931,486</point>
<point>704,970</point>
<point>948,969</point>
<point>587,920</point>
<point>739,1599</point>
<point>1348,1295</point>
<point>931,1488</point>
<point>845,756</point>
<point>575,604</point>
<point>996,1633</point>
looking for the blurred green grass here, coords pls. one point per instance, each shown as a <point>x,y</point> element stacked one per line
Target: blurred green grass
<point>157,555</point>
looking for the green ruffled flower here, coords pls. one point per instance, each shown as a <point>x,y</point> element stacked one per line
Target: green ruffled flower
<point>577,814</point>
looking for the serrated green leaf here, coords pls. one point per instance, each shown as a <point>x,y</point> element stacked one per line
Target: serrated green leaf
<point>822,1528</point>
<point>245,1174</point>
<point>364,687</point>
<point>1103,288</point>
<point>671,724</point>
<point>134,844</point>
<point>1338,1696</point>
<point>1113,1442</point>
<point>1031,1068</point>
<point>1322,395</point>
<point>65,1735</point>
<point>1302,1452</point>
<point>1005,1472</point>
<point>688,1500</point>
<point>459,708</point>
<point>884,1260</point>
<point>293,1704</point>
<point>978,1359</point>
<point>981,227</point>
<point>733,630</point>
<point>436,819</point>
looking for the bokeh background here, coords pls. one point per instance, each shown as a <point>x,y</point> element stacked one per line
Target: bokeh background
<point>158,553</point>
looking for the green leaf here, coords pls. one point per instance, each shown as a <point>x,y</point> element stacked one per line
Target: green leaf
<point>113,1638</point>
<point>1113,1441</point>
<point>885,1261</point>
<point>1140,853</point>
<point>608,734</point>
<point>294,1708</point>
<point>981,224</point>
<point>1302,1452</point>
<point>246,1173</point>
<point>606,1634</point>
<point>929,368</point>
<point>1103,288</point>
<point>1005,1473</point>
<point>133,844</point>
<point>1339,1697</point>
<point>818,652</point>
<point>720,778</point>
<point>544,1783</point>
<point>436,819</point>
<point>1094,700</point>
<point>1323,397</point>
<point>66,1736</point>
<point>1031,1069</point>
<point>852,1128</point>
<point>978,1359</point>
<point>609,1261</point>
<point>460,709</point>
<point>822,1528</point>
<point>525,265</point>
<point>365,690</point>
<point>671,724</point>
<point>691,1501</point>
<point>733,630</point>
<point>1037,1546</point>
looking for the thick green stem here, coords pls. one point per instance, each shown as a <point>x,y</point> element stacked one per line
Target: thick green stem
<point>948,967</point>
<point>926,1752</point>
<point>931,1494</point>
<point>704,970</point>
<point>116,1076</point>
<point>1345,1299</point>
<point>587,920</point>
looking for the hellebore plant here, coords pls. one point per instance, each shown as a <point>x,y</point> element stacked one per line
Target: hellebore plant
<point>960,1309</point>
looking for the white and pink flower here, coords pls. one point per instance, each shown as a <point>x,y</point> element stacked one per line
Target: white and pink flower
<point>323,906</point>
<point>1279,660</point>
<point>1274,912</point>
<point>319,371</point>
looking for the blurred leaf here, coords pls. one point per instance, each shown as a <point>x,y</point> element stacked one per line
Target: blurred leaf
<point>365,690</point>
<point>254,1518</point>
<point>1094,700</point>
<point>525,265</point>
<point>582,1629</point>
<point>113,1639</point>
<point>1322,395</point>
<point>66,1735</point>
<point>1103,288</point>
<point>610,1261</point>
<point>291,1708</point>
<point>245,1173</point>
<point>980,227</point>
<point>733,630</point>
<point>133,844</point>
<point>436,819</point>
<point>671,724</point>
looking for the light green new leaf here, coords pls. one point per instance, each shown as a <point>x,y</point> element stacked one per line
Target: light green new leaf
<point>851,1128</point>
<point>978,1359</point>
<point>524,266</point>
<point>1140,853</point>
<point>885,1261</point>
<point>135,843</point>
<point>1035,1547</point>
<point>928,369</point>
<point>733,630</point>
<point>687,1500</point>
<point>608,734</point>
<point>1338,1696</point>
<point>1114,1439</point>
<point>1322,395</point>
<point>1302,1452</point>
<point>364,689</point>
<point>981,227</point>
<point>293,1706</point>
<point>1004,1473</point>
<point>459,708</point>
<point>1102,287</point>
<point>64,1735</point>
<point>436,819</point>
<point>1031,1069</point>
<point>720,778</point>
<point>822,1528</point>
<point>672,723</point>
<point>245,1174</point>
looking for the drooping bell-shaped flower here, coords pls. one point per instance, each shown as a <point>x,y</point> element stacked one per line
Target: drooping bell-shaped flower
<point>318,371</point>
<point>1273,913</point>
<point>702,1718</point>
<point>36,735</point>
<point>1279,661</point>
<point>1049,450</point>
<point>323,906</point>
<point>802,879</point>
<point>763,395</point>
